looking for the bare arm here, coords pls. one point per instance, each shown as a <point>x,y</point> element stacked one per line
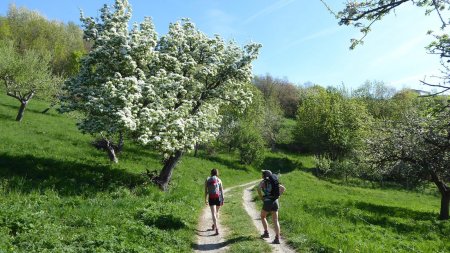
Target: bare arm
<point>259,191</point>
<point>221,190</point>
<point>282,189</point>
<point>206,191</point>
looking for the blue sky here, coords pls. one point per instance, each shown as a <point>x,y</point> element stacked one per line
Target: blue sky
<point>301,40</point>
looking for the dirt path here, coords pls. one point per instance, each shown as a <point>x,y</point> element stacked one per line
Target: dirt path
<point>208,242</point>
<point>251,209</point>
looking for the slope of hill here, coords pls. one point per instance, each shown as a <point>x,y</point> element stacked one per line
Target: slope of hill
<point>59,194</point>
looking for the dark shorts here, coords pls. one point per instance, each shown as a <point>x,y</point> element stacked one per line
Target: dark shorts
<point>270,205</point>
<point>215,202</point>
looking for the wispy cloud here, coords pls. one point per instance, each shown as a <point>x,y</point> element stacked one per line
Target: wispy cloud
<point>269,9</point>
<point>399,51</point>
<point>413,81</point>
<point>316,35</point>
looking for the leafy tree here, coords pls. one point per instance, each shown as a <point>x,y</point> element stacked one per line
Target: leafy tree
<point>5,29</point>
<point>330,123</point>
<point>419,147</point>
<point>111,80</point>
<point>250,134</point>
<point>252,130</point>
<point>376,95</point>
<point>25,75</point>
<point>272,122</point>
<point>30,30</point>
<point>282,91</point>
<point>234,119</point>
<point>251,144</point>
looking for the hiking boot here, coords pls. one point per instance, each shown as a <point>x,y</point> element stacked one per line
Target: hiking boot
<point>265,235</point>
<point>217,232</point>
<point>213,226</point>
<point>276,240</point>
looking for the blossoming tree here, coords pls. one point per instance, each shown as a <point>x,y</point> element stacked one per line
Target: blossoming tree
<point>192,75</point>
<point>108,86</point>
<point>167,91</point>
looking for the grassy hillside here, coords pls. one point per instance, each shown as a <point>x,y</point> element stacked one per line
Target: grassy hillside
<point>319,216</point>
<point>58,194</point>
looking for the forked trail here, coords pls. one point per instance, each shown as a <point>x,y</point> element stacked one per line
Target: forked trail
<point>208,242</point>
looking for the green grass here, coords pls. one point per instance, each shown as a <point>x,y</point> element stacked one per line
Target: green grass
<point>318,216</point>
<point>243,235</point>
<point>59,194</point>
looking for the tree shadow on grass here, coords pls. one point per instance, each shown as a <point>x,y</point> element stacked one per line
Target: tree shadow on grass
<point>27,173</point>
<point>4,116</point>
<point>281,165</point>
<point>164,222</point>
<point>219,245</point>
<point>375,215</point>
<point>393,211</point>
<point>142,151</point>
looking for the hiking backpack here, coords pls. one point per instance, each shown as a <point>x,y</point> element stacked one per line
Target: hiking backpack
<point>213,187</point>
<point>275,186</point>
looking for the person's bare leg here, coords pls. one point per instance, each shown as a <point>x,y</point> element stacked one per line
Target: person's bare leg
<point>214,216</point>
<point>217,211</point>
<point>263,219</point>
<point>276,224</point>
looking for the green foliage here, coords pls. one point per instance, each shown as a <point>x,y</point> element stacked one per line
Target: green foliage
<point>377,98</point>
<point>343,168</point>
<point>273,118</point>
<point>30,30</point>
<point>26,75</point>
<point>245,131</point>
<point>279,91</point>
<point>5,29</point>
<point>251,145</point>
<point>330,123</point>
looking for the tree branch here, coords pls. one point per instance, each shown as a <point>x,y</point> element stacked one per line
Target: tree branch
<point>379,11</point>
<point>14,95</point>
<point>436,7</point>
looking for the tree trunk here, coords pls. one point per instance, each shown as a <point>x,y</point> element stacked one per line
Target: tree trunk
<point>166,173</point>
<point>196,149</point>
<point>120,142</point>
<point>23,105</point>
<point>445,201</point>
<point>111,152</point>
<point>445,195</point>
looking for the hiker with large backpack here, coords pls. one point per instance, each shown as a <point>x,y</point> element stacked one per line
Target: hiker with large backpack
<point>214,196</point>
<point>269,190</point>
